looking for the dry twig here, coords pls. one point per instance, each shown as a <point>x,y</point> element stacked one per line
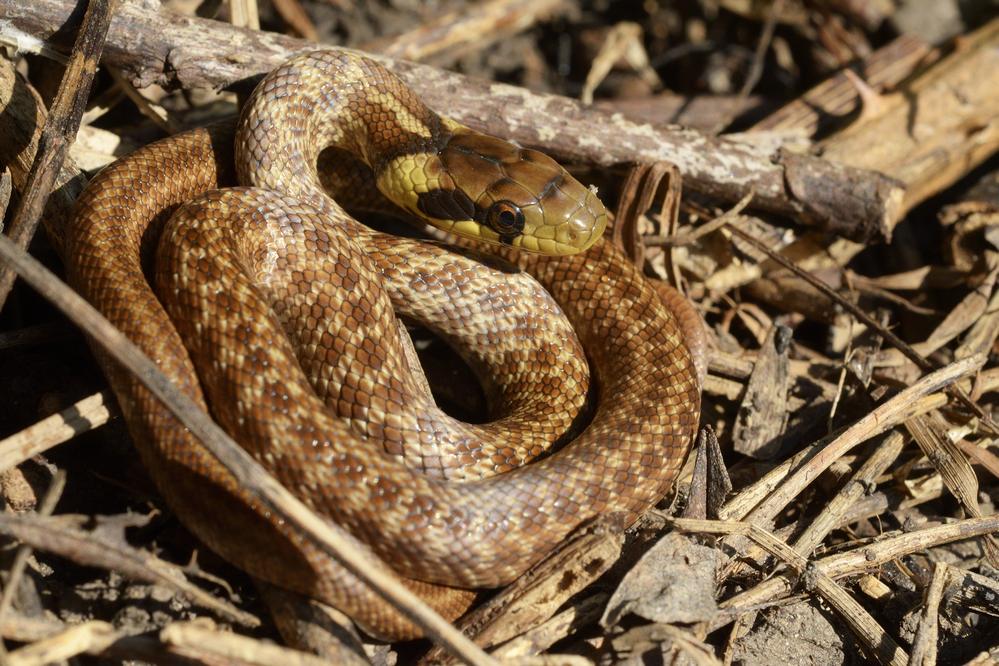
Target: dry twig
<point>60,128</point>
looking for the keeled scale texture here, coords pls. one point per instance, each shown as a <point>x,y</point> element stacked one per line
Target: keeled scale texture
<point>478,533</point>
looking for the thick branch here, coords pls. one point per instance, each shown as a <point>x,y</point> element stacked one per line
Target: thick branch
<point>834,99</point>
<point>60,129</point>
<point>159,47</point>
<point>938,128</point>
<point>24,116</point>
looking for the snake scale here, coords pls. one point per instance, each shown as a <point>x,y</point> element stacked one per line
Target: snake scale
<point>274,309</point>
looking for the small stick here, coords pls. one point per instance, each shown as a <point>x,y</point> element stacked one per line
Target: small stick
<point>473,27</point>
<point>756,69</point>
<point>60,129</point>
<point>25,629</point>
<point>924,645</point>
<point>20,134</point>
<point>47,506</point>
<point>92,636</point>
<point>297,18</point>
<point>78,418</point>
<point>208,645</point>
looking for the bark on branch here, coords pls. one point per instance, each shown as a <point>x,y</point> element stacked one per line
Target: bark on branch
<point>59,130</point>
<point>942,125</point>
<point>154,46</point>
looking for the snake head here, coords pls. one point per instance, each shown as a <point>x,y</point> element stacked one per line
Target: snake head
<point>488,189</point>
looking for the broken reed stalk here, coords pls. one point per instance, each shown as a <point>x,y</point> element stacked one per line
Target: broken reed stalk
<point>924,645</point>
<point>60,128</point>
<point>738,506</point>
<point>865,557</point>
<point>81,416</point>
<point>868,321</point>
<point>896,410</point>
<point>191,52</point>
<point>938,128</point>
<point>876,639</point>
<point>255,479</point>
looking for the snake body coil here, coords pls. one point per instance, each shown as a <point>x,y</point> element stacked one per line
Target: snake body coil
<point>281,323</point>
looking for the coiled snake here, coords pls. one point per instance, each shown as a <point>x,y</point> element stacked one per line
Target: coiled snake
<point>346,422</point>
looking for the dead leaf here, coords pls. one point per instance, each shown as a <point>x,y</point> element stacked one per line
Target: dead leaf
<point>673,582</point>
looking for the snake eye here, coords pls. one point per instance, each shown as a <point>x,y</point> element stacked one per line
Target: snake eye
<point>505,218</point>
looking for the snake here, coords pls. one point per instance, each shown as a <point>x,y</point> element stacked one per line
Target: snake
<point>222,254</point>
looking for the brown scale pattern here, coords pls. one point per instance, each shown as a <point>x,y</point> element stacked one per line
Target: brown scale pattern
<point>343,420</point>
